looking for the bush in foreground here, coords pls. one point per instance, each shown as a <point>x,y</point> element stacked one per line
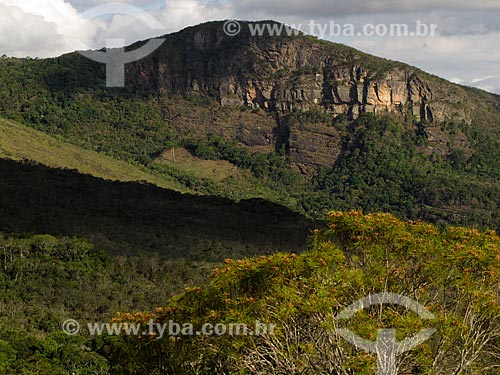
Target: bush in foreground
<point>454,273</point>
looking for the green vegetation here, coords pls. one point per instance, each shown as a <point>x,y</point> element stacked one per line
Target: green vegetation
<point>18,142</point>
<point>114,200</point>
<point>45,280</point>
<point>145,252</point>
<point>188,174</point>
<point>382,167</point>
<point>453,272</point>
<point>218,170</point>
<point>273,170</point>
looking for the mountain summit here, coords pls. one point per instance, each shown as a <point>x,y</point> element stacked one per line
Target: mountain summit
<point>294,72</point>
<point>299,73</point>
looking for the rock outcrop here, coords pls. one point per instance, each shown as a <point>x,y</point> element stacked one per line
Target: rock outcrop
<point>287,74</point>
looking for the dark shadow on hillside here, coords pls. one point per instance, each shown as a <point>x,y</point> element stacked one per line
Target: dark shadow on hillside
<point>125,218</point>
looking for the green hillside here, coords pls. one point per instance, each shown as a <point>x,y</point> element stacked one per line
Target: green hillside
<point>19,142</point>
<point>442,167</point>
<point>453,273</point>
<point>186,173</point>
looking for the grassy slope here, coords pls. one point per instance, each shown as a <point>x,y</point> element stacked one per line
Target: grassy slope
<point>111,213</point>
<point>19,142</point>
<point>187,174</point>
<point>218,170</point>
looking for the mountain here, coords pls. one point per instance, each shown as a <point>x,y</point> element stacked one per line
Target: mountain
<point>114,200</point>
<point>285,74</point>
<point>312,125</point>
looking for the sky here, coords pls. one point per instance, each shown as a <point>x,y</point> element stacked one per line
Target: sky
<point>464,48</point>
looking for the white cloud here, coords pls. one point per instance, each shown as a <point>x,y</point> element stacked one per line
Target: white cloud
<point>339,8</point>
<point>17,37</point>
<point>46,28</point>
<point>57,12</point>
<point>41,28</point>
<point>489,83</point>
<point>83,5</point>
<point>177,14</point>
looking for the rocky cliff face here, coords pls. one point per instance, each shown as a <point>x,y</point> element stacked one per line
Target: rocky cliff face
<point>280,75</point>
<point>349,91</point>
